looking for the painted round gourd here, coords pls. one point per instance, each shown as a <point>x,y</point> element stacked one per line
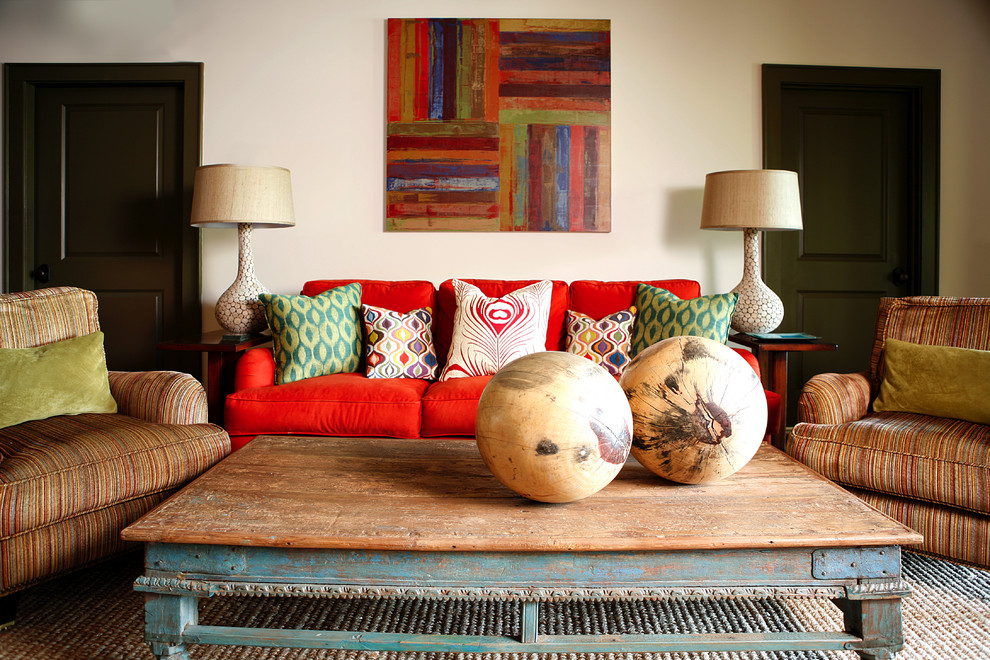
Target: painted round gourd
<point>699,410</point>
<point>553,427</point>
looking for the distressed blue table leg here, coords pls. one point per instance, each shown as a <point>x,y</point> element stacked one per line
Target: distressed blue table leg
<point>530,621</point>
<point>878,622</point>
<point>166,617</point>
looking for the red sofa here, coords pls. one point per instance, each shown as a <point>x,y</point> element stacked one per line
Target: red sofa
<point>353,405</point>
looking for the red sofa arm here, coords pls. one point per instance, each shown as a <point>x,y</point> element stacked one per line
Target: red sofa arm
<point>750,358</point>
<point>773,399</point>
<point>256,368</point>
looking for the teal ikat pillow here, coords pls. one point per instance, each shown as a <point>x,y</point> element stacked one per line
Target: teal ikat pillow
<point>315,336</point>
<point>662,315</point>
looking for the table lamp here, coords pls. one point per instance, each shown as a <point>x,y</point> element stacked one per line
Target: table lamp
<point>754,201</point>
<point>248,197</point>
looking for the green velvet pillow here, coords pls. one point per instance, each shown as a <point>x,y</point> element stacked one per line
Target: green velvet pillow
<point>662,315</point>
<point>315,336</point>
<point>68,377</point>
<point>942,381</point>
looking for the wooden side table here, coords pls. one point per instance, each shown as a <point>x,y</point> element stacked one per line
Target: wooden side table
<point>772,355</point>
<point>221,357</point>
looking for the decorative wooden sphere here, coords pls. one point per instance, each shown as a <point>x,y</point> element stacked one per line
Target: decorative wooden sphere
<point>699,410</point>
<point>553,426</point>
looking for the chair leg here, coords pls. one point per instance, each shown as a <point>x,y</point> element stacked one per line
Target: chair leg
<point>8,609</point>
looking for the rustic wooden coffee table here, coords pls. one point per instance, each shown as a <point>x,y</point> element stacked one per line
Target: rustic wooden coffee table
<point>292,516</point>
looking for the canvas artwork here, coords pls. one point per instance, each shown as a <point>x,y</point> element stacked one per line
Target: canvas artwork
<point>498,125</point>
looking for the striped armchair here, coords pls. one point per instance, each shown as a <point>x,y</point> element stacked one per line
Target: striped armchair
<point>933,474</point>
<point>70,483</point>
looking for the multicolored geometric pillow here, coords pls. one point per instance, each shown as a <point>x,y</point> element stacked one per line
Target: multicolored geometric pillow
<point>400,345</point>
<point>605,342</point>
<point>662,315</point>
<point>491,332</point>
<point>315,336</point>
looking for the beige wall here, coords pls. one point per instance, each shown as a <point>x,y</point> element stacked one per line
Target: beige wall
<point>300,83</point>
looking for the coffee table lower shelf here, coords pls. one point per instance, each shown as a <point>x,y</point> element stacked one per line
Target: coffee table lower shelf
<point>864,582</point>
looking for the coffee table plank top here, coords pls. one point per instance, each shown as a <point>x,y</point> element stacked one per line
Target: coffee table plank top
<point>438,495</point>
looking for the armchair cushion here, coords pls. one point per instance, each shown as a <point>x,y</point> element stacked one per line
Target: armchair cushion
<point>939,460</point>
<point>67,377</point>
<point>105,458</point>
<point>69,484</point>
<point>943,381</point>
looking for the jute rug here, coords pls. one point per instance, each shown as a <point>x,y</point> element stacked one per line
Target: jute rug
<point>94,614</point>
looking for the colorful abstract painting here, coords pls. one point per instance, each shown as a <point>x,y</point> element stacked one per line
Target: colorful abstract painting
<point>498,125</point>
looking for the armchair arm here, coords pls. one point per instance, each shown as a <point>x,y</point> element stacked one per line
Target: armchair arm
<point>834,398</point>
<point>162,397</point>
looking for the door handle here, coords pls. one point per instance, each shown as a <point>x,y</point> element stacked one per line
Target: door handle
<point>42,274</point>
<point>900,276</point>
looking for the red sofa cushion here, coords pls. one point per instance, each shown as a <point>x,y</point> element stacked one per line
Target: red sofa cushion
<point>599,299</point>
<point>339,404</point>
<point>450,407</point>
<point>447,307</point>
<point>398,296</point>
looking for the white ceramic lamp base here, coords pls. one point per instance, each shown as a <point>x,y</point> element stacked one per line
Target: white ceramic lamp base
<point>759,309</point>
<point>239,311</point>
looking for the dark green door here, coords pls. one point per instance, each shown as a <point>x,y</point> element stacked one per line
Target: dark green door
<point>865,145</point>
<point>101,158</point>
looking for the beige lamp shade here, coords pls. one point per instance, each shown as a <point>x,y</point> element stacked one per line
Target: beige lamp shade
<point>228,195</point>
<point>242,197</point>
<point>751,199</point>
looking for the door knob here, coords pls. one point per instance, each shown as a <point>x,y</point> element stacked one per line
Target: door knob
<point>41,273</point>
<point>899,276</point>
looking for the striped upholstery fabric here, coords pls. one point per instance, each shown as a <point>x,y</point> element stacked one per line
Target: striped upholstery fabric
<point>932,320</point>
<point>944,461</point>
<point>933,474</point>
<point>161,397</point>
<point>948,532</point>
<point>69,484</point>
<point>834,399</point>
<point>106,458</point>
<point>43,553</point>
<point>36,318</point>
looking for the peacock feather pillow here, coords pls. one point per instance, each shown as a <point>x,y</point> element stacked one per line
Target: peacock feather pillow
<point>315,336</point>
<point>491,332</point>
<point>662,315</point>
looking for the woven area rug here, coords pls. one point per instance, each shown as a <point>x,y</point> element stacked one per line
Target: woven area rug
<point>95,614</point>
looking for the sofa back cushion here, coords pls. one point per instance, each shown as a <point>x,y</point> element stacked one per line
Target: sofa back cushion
<point>598,299</point>
<point>45,316</point>
<point>398,296</point>
<point>931,320</point>
<point>447,307</point>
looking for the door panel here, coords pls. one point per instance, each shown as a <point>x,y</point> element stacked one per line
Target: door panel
<point>106,155</point>
<point>110,153</point>
<point>849,149</point>
<point>857,138</point>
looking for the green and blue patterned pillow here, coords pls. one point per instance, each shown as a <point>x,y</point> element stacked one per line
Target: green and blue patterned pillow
<point>315,336</point>
<point>662,315</point>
